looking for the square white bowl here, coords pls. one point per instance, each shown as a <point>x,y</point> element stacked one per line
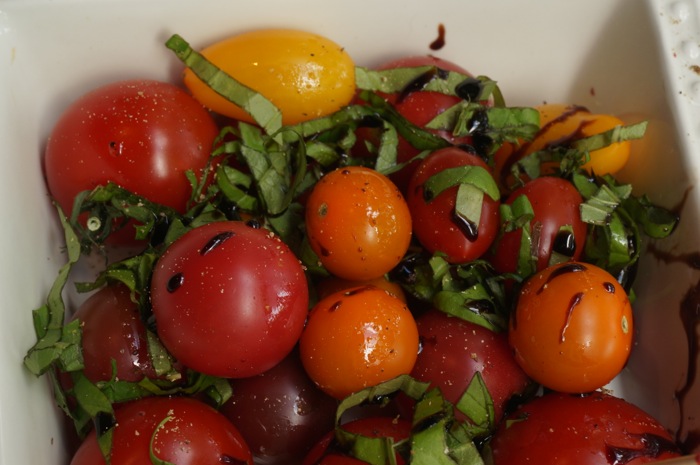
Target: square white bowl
<point>636,59</point>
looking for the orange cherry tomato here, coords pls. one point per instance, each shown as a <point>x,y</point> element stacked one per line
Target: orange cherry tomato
<point>304,74</point>
<point>358,223</point>
<point>358,338</point>
<point>572,328</point>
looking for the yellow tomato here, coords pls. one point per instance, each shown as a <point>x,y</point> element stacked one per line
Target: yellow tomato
<point>561,124</point>
<point>304,74</point>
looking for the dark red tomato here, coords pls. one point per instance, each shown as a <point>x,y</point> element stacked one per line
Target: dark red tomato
<point>281,413</point>
<point>454,350</point>
<point>229,300</point>
<point>178,431</point>
<point>325,451</point>
<point>595,429</point>
<point>420,107</point>
<point>112,330</point>
<point>434,222</point>
<point>141,134</point>
<point>556,204</point>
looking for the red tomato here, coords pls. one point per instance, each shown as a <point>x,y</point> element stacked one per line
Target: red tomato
<point>358,338</point>
<point>280,413</point>
<point>454,350</point>
<point>112,330</point>
<point>142,135</point>
<point>572,327</point>
<point>595,429</point>
<point>375,427</point>
<point>229,300</point>
<point>178,430</point>
<point>358,223</point>
<point>556,204</point>
<point>420,107</point>
<point>434,222</point>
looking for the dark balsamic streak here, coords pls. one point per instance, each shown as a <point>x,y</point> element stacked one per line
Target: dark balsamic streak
<point>216,241</point>
<point>439,42</point>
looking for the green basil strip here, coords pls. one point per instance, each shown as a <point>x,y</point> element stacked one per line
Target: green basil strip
<point>49,318</point>
<point>476,176</point>
<point>477,404</point>
<point>612,136</point>
<point>394,80</point>
<point>264,112</point>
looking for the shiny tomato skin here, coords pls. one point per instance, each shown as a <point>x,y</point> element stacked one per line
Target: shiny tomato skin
<point>229,300</point>
<point>358,223</point>
<point>358,338</point>
<point>375,427</point>
<point>595,429</point>
<point>140,134</point>
<point>556,203</point>
<point>192,433</point>
<point>420,107</point>
<point>112,330</point>
<point>304,74</point>
<point>433,225</point>
<point>572,328</point>
<point>280,413</point>
<point>454,350</point>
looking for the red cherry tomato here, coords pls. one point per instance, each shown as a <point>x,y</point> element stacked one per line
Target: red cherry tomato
<point>595,429</point>
<point>420,107</point>
<point>280,413</point>
<point>434,222</point>
<point>556,204</point>
<point>142,135</point>
<point>572,327</point>
<point>178,430</point>
<point>454,350</point>
<point>229,300</point>
<point>112,331</point>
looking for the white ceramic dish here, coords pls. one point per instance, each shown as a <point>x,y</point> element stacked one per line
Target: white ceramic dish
<point>632,58</point>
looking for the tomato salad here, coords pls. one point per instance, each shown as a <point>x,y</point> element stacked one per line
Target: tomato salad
<point>337,264</point>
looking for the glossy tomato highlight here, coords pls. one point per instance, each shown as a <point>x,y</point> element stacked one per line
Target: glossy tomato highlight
<point>229,300</point>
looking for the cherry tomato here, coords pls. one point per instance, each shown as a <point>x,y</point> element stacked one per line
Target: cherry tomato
<point>112,331</point>
<point>594,429</point>
<point>280,413</point>
<point>178,430</point>
<point>229,300</point>
<point>556,226</point>
<point>142,135</point>
<point>358,338</point>
<point>323,453</point>
<point>420,107</point>
<point>572,327</point>
<point>454,350</point>
<point>560,125</point>
<point>435,223</point>
<point>304,74</point>
<point>358,223</point>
